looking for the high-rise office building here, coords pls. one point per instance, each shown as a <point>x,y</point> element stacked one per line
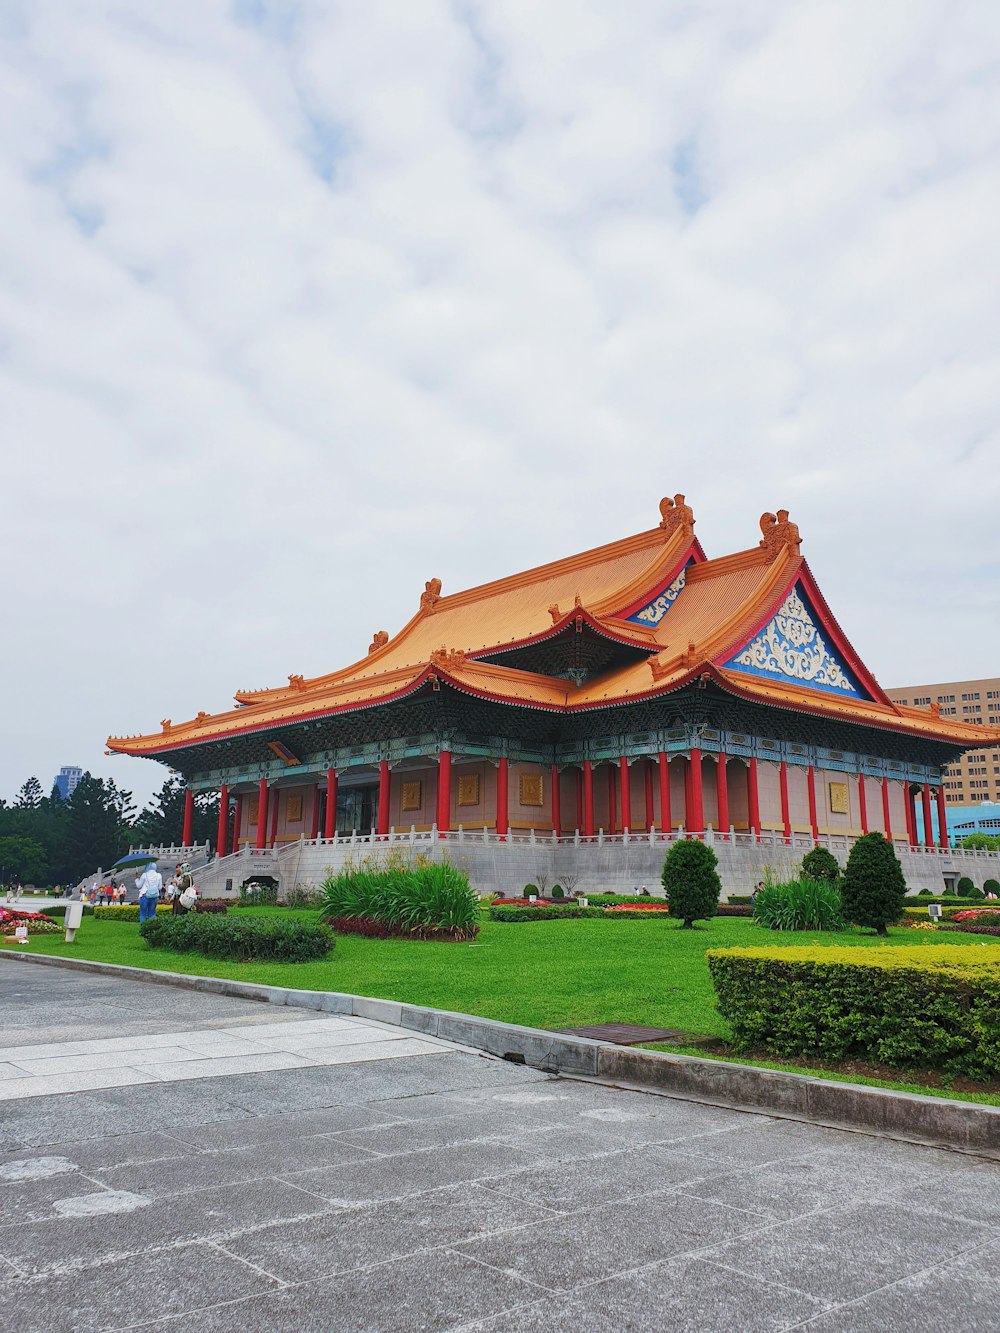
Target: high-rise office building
<point>67,779</point>
<point>975,777</point>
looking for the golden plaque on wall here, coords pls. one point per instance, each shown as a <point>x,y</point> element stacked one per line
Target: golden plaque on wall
<point>410,796</point>
<point>530,789</point>
<point>253,805</point>
<point>839,803</point>
<point>293,810</point>
<point>468,789</point>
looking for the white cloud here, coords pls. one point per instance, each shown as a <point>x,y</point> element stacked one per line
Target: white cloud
<point>301,304</point>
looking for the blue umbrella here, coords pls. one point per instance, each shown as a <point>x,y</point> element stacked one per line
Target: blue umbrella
<point>133,859</point>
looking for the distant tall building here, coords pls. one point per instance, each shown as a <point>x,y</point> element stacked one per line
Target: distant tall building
<point>975,776</point>
<point>67,779</point>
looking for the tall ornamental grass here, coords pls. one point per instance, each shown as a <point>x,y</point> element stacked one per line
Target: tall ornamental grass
<point>422,900</point>
<point>799,904</point>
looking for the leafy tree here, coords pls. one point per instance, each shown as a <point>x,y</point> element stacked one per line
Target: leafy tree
<point>821,864</point>
<point>963,886</point>
<point>981,842</point>
<point>873,887</point>
<point>691,881</point>
<point>22,861</point>
<point>30,795</point>
<point>992,886</point>
<point>162,823</point>
<point>99,826</point>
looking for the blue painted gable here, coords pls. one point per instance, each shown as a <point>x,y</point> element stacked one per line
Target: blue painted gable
<point>654,611</point>
<point>791,648</point>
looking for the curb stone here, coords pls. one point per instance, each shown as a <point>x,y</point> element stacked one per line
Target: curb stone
<point>970,1127</point>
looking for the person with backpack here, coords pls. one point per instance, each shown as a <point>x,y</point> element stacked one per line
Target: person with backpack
<point>149,884</point>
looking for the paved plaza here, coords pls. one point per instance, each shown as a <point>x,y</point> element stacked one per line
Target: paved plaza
<point>360,1185</point>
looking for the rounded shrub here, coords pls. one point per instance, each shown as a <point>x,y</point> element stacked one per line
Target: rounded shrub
<point>557,891</point>
<point>926,893</point>
<point>992,886</point>
<point>873,888</point>
<point>964,887</point>
<point>820,864</point>
<point>529,889</point>
<point>948,892</point>
<point>975,894</point>
<point>691,881</point>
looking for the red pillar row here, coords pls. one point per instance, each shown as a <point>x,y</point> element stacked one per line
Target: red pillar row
<point>695,814</point>
<point>813,816</point>
<point>588,799</point>
<point>222,834</point>
<point>942,817</point>
<point>503,793</point>
<point>383,797</point>
<point>648,783</point>
<point>444,792</point>
<point>753,798</point>
<point>722,792</point>
<point>330,817</point>
<point>666,817</point>
<point>786,819</point>
<point>262,814</point>
<point>187,832</point>
<point>556,805</point>
<point>925,797</point>
<point>626,794</point>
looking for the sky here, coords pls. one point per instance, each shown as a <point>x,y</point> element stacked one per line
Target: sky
<point>303,304</point>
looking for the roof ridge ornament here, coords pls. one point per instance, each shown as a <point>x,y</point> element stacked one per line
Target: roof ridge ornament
<point>380,639</point>
<point>676,516</point>
<point>779,533</point>
<point>448,658</point>
<point>431,595</point>
<point>296,682</point>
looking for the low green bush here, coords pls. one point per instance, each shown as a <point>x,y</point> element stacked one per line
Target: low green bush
<point>820,864</point>
<point>992,886</point>
<point>925,893</point>
<point>899,1005</point>
<point>614,899</point>
<point>241,939</point>
<point>424,899</point>
<point>800,904</point>
<point>529,889</point>
<point>963,887</point>
<point>125,912</point>
<point>253,894</point>
<point>563,913</point>
<point>557,891</point>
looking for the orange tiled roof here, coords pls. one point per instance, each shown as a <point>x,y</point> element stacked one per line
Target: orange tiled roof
<point>722,605</point>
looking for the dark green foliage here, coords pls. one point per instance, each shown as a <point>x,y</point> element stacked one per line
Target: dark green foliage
<point>800,904</point>
<point>546,913</point>
<point>949,892</point>
<point>253,894</point>
<point>240,938</point>
<point>22,861</point>
<point>981,842</point>
<point>529,889</point>
<point>162,822</point>
<point>613,899</point>
<point>820,864</point>
<point>963,886</point>
<point>925,893</point>
<point>992,886</point>
<point>557,891</point>
<point>691,881</point>
<point>873,888</point>
<point>986,924</point>
<point>419,899</point>
<point>976,895</point>
<point>836,1007</point>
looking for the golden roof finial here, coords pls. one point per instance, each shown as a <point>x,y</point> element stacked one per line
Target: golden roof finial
<point>431,595</point>
<point>380,639</point>
<point>675,516</point>
<point>779,532</point>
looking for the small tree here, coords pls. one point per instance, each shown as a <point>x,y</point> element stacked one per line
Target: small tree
<point>963,886</point>
<point>873,887</point>
<point>992,886</point>
<point>691,881</point>
<point>821,864</point>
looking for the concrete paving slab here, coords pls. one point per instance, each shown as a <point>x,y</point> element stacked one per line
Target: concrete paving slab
<point>97,1060</point>
<point>51,1085</point>
<point>219,1067</point>
<point>553,1314</point>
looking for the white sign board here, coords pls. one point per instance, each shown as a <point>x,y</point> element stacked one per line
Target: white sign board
<point>934,911</point>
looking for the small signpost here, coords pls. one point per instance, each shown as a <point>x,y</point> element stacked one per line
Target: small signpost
<point>74,915</point>
<point>934,911</point>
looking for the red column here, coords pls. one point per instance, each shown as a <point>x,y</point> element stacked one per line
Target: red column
<point>262,814</point>
<point>666,818</point>
<point>330,816</point>
<point>588,799</point>
<point>722,793</point>
<point>503,793</point>
<point>383,797</point>
<point>579,800</point>
<point>314,823</point>
<point>626,794</point>
<point>886,817</point>
<point>647,773</point>
<point>942,817</point>
<point>911,823</point>
<point>813,819</point>
<point>187,832</point>
<point>786,819</point>
<point>275,805</point>
<point>753,798</point>
<point>444,792</point>
<point>612,799</point>
<point>556,806</point>
<point>695,820</point>
<point>221,837</point>
<point>237,823</point>
<point>863,803</point>
<point>925,797</point>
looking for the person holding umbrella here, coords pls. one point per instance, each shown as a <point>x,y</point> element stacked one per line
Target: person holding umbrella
<point>149,884</point>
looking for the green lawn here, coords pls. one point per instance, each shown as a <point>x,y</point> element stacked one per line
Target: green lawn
<point>550,974</point>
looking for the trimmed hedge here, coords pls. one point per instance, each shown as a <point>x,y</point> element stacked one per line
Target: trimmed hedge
<point>987,924</point>
<point>571,913</point>
<point>125,912</point>
<point>899,1005</point>
<point>241,940</point>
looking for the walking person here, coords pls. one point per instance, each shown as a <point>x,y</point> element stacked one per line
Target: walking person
<point>149,884</point>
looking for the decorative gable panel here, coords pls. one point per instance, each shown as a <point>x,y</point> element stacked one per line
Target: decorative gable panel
<point>791,648</point>
<point>654,611</point>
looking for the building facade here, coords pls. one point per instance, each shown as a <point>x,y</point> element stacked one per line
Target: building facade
<point>67,780</point>
<point>974,777</point>
<point>640,688</point>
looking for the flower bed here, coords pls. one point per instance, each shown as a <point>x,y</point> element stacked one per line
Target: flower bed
<point>37,922</point>
<point>383,930</point>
